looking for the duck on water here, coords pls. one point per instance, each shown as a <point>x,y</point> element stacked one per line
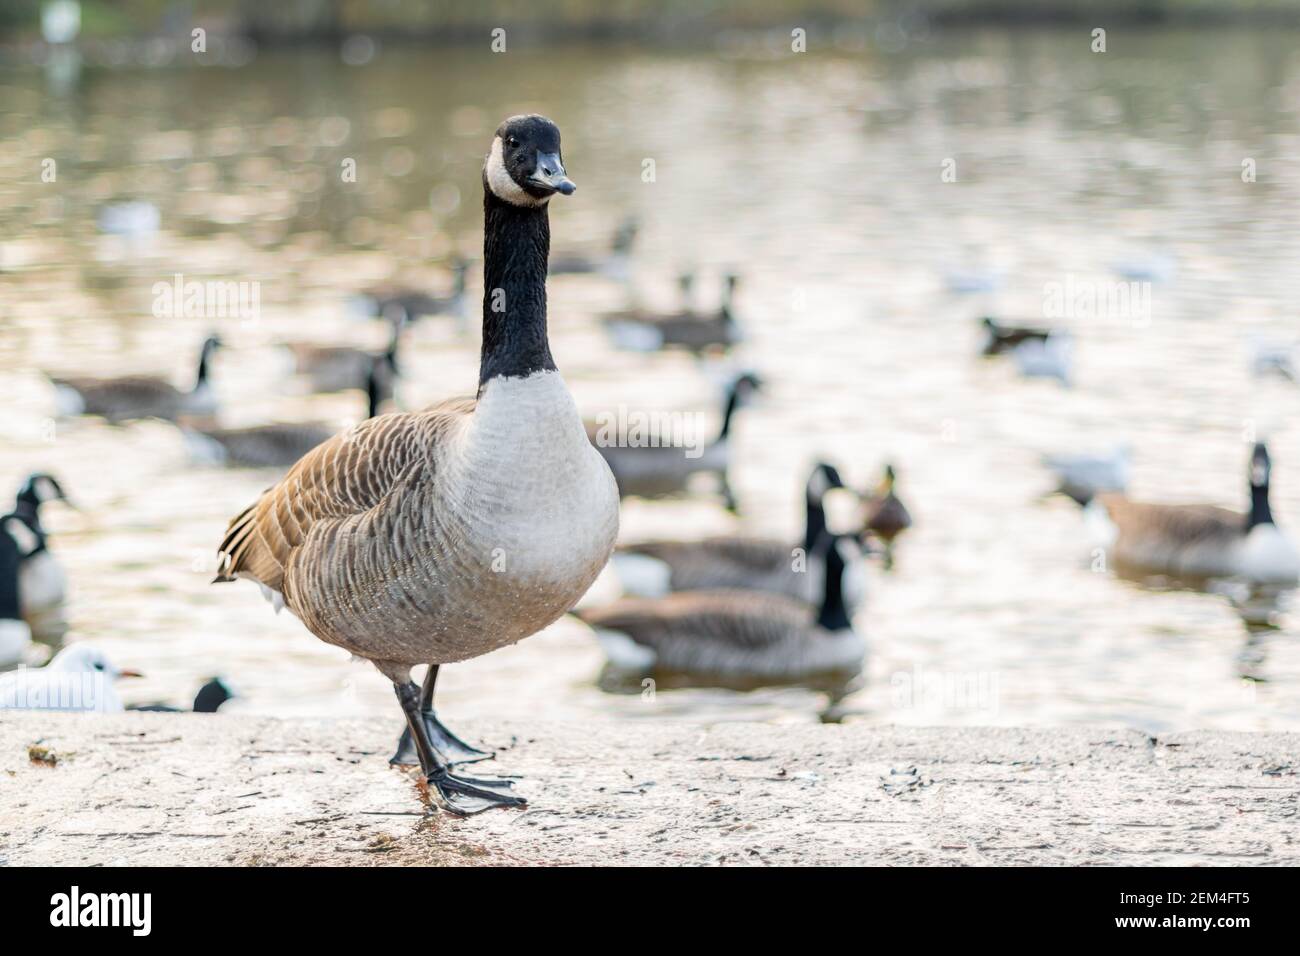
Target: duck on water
<point>438,536</point>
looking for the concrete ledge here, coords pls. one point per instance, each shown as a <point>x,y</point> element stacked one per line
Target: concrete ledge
<point>191,789</point>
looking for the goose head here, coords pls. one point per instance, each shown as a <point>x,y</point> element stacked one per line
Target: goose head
<point>824,477</point>
<point>84,659</point>
<point>1261,466</point>
<point>524,167</point>
<point>1261,469</point>
<point>38,489</point>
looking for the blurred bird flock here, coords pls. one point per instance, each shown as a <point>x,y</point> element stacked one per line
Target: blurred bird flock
<point>854,305</point>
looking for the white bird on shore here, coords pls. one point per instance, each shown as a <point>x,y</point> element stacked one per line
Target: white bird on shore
<point>80,678</point>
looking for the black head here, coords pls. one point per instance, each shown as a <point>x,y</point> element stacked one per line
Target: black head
<point>524,166</point>
<point>211,696</point>
<point>1260,466</point>
<point>988,323</point>
<point>824,477</point>
<point>40,488</point>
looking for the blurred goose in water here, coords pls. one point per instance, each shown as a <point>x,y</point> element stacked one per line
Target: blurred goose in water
<point>1083,477</point>
<point>1003,338</point>
<point>653,568</point>
<point>886,517</point>
<point>649,332</point>
<point>138,396</point>
<point>280,444</point>
<point>656,466</point>
<point>44,584</point>
<point>1153,267</point>
<point>408,305</point>
<point>79,677</point>
<point>442,535</point>
<point>735,633</point>
<point>615,265</point>
<point>208,700</point>
<point>1201,541</point>
<point>15,635</point>
<point>132,219</point>
<point>1046,358</point>
<point>337,368</point>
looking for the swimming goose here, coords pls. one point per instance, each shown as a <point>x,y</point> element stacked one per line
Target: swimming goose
<point>337,368</point>
<point>15,635</point>
<point>653,467</point>
<point>208,700</point>
<point>648,332</point>
<point>1003,338</point>
<point>653,568</point>
<point>886,517</point>
<point>734,633</point>
<point>138,396</point>
<point>279,444</point>
<point>412,304</point>
<point>79,678</point>
<point>615,264</point>
<point>1083,477</point>
<point>43,583</point>
<point>1203,541</point>
<point>437,536</point>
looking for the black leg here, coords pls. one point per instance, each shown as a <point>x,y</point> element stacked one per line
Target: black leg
<point>451,748</point>
<point>461,795</point>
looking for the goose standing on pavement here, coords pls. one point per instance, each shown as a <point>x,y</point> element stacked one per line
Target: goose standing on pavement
<point>44,584</point>
<point>656,466</point>
<point>138,396</point>
<point>80,677</point>
<point>738,634</point>
<point>653,568</point>
<point>279,444</point>
<point>438,536</point>
<point>1202,541</point>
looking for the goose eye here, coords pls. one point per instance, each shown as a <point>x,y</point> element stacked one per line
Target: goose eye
<point>512,142</point>
<point>99,667</point>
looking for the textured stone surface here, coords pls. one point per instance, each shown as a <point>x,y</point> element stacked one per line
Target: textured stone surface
<point>194,789</point>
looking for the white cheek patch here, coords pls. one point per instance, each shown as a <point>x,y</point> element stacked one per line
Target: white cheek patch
<point>502,185</point>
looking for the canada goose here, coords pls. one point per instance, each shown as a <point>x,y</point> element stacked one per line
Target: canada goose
<point>1003,338</point>
<point>1083,477</point>
<point>43,583</point>
<point>654,467</point>
<point>1202,541</point>
<point>886,517</point>
<point>441,535</point>
<point>412,304</point>
<point>337,368</point>
<point>79,677</point>
<point>138,396</point>
<point>649,332</point>
<point>735,633</point>
<point>208,700</point>
<point>652,568</point>
<point>615,264</point>
<point>278,444</point>
<point>15,635</point>
<point>1051,357</point>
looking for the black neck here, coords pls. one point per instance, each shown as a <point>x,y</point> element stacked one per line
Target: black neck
<point>833,615</point>
<point>516,244</point>
<point>373,397</point>
<point>203,367</point>
<point>815,519</point>
<point>733,402</point>
<point>1260,512</point>
<point>9,610</point>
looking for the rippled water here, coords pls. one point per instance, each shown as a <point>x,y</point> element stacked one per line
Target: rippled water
<point>818,177</point>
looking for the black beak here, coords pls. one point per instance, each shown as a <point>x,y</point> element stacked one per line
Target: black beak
<point>550,176</point>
